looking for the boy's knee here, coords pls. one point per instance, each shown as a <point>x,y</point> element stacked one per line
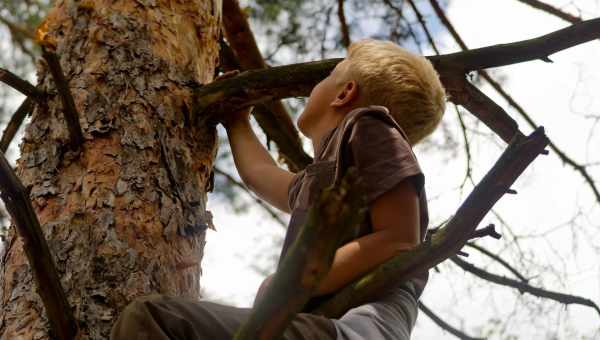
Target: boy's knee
<point>136,316</point>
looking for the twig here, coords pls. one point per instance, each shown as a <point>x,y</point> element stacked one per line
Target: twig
<point>16,200</point>
<point>448,240</point>
<point>444,325</point>
<point>497,259</point>
<point>523,287</point>
<point>15,122</point>
<point>552,10</point>
<point>306,263</point>
<point>21,85</point>
<point>69,110</point>
<point>236,183</point>
<point>489,230</point>
<point>343,24</point>
<point>423,25</point>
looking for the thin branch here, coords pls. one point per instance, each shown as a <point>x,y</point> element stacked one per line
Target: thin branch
<point>497,259</point>
<point>561,154</point>
<point>448,240</point>
<point>21,85</point>
<point>552,10</point>
<point>343,25</point>
<point>444,325</point>
<point>62,85</point>
<point>62,322</point>
<point>265,206</point>
<point>15,122</point>
<point>272,116</point>
<point>578,167</point>
<point>423,25</point>
<point>307,262</point>
<point>523,287</point>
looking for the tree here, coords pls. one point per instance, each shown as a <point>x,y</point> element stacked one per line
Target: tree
<point>137,183</point>
<point>123,211</point>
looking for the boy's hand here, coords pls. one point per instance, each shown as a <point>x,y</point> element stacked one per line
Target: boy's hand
<point>262,289</point>
<point>231,118</point>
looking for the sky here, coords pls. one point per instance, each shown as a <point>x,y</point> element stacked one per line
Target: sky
<point>558,96</point>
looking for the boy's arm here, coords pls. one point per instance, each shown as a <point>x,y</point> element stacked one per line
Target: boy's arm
<point>255,165</point>
<point>395,221</point>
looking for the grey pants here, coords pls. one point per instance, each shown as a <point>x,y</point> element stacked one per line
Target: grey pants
<point>162,317</point>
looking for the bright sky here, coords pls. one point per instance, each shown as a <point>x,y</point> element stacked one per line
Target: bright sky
<point>557,96</point>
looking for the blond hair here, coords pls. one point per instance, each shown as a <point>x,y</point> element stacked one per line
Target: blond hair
<point>405,83</point>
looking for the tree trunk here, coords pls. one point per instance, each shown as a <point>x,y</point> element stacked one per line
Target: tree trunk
<point>124,215</point>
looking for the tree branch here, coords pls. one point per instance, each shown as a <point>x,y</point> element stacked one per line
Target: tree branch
<point>21,85</point>
<point>497,259</point>
<point>444,325</point>
<point>255,86</point>
<point>343,24</point>
<point>69,110</point>
<point>15,122</point>
<point>307,262</point>
<point>578,167</point>
<point>423,25</point>
<point>517,52</point>
<point>552,10</point>
<point>523,287</point>
<point>272,116</point>
<point>16,200</point>
<point>449,239</point>
<point>464,93</point>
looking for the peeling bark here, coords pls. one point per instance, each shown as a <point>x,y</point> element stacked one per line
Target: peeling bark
<point>125,215</point>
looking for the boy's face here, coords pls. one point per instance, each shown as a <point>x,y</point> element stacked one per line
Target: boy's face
<point>319,105</point>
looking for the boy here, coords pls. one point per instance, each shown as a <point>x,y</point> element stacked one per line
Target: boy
<point>368,112</point>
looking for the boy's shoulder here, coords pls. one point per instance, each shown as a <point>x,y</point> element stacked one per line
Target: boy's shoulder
<point>372,118</point>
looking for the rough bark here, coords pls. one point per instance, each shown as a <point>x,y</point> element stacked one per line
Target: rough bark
<point>125,215</point>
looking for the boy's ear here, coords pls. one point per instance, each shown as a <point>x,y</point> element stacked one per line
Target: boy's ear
<point>346,95</point>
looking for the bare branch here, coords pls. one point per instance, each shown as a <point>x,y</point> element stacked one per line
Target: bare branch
<point>444,325</point>
<point>343,25</point>
<point>491,114</point>
<point>578,167</point>
<point>423,25</point>
<point>15,122</point>
<point>523,287</point>
<point>21,85</point>
<point>307,262</point>
<point>16,200</point>
<point>69,110</point>
<point>497,259</point>
<point>255,86</point>
<point>272,116</point>
<point>552,10</point>
<point>265,206</point>
<point>450,239</point>
<point>517,52</point>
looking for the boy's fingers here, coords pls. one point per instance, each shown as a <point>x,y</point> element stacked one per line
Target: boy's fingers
<point>227,74</point>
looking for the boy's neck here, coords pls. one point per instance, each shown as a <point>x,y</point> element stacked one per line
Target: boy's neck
<point>328,123</point>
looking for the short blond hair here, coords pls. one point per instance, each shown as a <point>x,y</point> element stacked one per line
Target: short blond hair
<point>404,82</point>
